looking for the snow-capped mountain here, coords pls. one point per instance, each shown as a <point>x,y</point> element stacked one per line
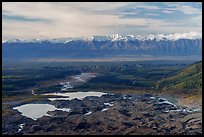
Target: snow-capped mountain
<point>98,38</point>
<point>109,45</point>
<point>174,37</point>
<point>114,37</point>
<point>4,40</point>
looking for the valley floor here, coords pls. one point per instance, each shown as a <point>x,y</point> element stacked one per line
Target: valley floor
<point>109,114</point>
<point>119,109</point>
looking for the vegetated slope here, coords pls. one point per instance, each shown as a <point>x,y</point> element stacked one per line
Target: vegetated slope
<point>187,80</point>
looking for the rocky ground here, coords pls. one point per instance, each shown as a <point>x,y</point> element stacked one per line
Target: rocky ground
<point>116,114</point>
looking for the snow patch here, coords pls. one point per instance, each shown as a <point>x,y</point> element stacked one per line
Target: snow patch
<point>88,113</point>
<point>105,109</point>
<point>108,104</point>
<point>21,127</point>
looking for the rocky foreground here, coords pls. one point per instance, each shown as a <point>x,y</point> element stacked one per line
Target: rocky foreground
<point>115,114</point>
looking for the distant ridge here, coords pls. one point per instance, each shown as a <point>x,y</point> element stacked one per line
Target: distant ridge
<point>178,44</point>
<point>115,37</point>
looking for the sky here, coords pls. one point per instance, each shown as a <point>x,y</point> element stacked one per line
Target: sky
<point>41,20</point>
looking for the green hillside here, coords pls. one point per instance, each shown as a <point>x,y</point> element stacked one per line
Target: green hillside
<point>187,79</point>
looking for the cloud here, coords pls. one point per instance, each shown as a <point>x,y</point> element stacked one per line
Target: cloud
<point>54,20</point>
<point>23,19</point>
<point>186,8</point>
<point>189,10</point>
<point>189,35</point>
<point>168,11</point>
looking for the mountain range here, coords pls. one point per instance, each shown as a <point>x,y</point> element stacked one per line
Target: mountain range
<point>102,46</point>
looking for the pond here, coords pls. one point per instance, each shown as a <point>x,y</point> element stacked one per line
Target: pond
<point>77,95</point>
<point>35,111</point>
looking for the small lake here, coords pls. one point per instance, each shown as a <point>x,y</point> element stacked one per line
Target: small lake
<point>35,111</point>
<point>77,95</point>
